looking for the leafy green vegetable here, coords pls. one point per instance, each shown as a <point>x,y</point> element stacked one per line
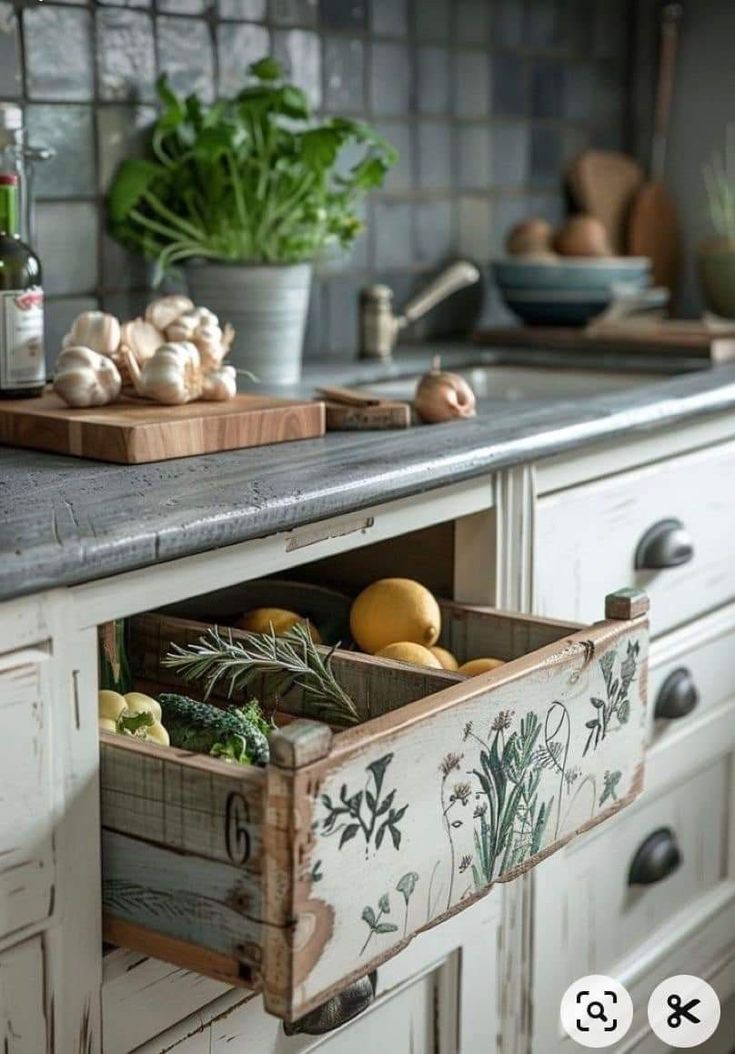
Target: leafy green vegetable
<point>135,724</point>
<point>238,734</point>
<point>247,179</point>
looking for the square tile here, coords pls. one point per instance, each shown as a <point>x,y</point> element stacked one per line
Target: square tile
<point>546,155</point>
<point>432,19</point>
<point>543,23</point>
<point>389,18</point>
<point>433,87</point>
<point>393,233</point>
<point>185,53</point>
<point>610,28</point>
<point>507,23</point>
<point>472,21</point>
<point>58,43</point>
<point>578,26</point>
<point>546,88</point>
<point>343,14</point>
<point>471,84</point>
<point>126,60</point>
<point>434,223</point>
<point>510,85</point>
<point>123,269</point>
<point>344,74</point>
<point>122,131</point>
<point>126,3</point>
<point>58,316</point>
<point>473,156</point>
<point>578,91</point>
<point>299,52</point>
<point>340,316</point>
<point>294,12</point>
<point>184,7</point>
<point>435,155</point>
<point>68,129</point>
<point>473,238</point>
<point>609,95</point>
<point>507,211</point>
<point>238,46</point>
<point>400,177</point>
<point>249,10</point>
<point>11,73</point>
<point>390,79</point>
<point>510,154</point>
<point>67,244</point>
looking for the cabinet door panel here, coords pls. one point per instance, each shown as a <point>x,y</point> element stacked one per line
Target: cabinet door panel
<point>22,1011</point>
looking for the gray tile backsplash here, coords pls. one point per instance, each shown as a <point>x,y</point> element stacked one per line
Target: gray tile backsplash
<point>485,101</point>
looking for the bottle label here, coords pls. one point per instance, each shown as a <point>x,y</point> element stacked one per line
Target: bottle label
<point>22,358</point>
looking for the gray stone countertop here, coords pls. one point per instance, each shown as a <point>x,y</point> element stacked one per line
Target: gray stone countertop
<point>65,521</point>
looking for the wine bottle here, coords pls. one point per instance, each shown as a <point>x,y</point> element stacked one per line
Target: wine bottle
<point>22,359</point>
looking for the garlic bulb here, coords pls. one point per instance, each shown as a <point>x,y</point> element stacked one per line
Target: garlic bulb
<point>443,396</point>
<point>186,325</point>
<point>83,377</point>
<point>142,338</point>
<point>166,309</point>
<point>172,376</point>
<point>96,330</point>
<point>220,385</point>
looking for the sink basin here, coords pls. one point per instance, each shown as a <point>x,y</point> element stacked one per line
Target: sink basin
<point>523,383</point>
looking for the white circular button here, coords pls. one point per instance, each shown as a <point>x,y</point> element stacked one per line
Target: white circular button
<point>596,1011</point>
<point>684,1011</point>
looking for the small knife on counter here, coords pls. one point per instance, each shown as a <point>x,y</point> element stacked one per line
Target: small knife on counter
<point>351,410</point>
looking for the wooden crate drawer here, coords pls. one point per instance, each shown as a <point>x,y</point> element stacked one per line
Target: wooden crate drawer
<point>303,876</point>
<point>587,538</point>
<point>26,847</point>
<point>593,920</point>
<point>692,671</point>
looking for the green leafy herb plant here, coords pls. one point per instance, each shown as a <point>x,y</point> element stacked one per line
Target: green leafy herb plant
<point>249,179</point>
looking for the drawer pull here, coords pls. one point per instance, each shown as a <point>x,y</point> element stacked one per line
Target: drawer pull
<point>666,544</point>
<point>655,859</point>
<point>677,696</point>
<point>338,1010</point>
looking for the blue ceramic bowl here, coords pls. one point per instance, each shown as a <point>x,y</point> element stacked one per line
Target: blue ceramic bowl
<point>570,291</point>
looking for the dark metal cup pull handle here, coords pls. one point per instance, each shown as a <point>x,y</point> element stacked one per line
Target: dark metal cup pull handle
<point>677,696</point>
<point>666,544</point>
<point>337,1011</point>
<point>655,859</point>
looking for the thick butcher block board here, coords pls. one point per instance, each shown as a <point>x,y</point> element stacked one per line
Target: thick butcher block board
<point>133,432</point>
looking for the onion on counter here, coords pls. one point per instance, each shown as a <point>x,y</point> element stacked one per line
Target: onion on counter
<point>443,396</point>
<point>583,235</point>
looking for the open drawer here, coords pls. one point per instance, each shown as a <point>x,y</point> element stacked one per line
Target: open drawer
<point>303,876</point>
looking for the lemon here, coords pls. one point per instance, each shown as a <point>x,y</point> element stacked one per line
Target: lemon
<point>392,610</point>
<point>407,651</point>
<point>260,620</point>
<point>475,666</point>
<point>446,659</point>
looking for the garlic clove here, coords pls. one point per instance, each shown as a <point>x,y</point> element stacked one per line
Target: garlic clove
<point>220,385</point>
<point>96,330</point>
<point>83,377</point>
<point>172,376</point>
<point>186,325</point>
<point>142,338</point>
<point>166,309</point>
<point>443,396</point>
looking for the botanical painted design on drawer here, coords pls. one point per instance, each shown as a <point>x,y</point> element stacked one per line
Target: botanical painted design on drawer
<point>366,812</point>
<point>472,795</point>
<point>616,704</point>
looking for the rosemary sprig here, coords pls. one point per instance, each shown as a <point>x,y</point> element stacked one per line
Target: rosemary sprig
<point>283,662</point>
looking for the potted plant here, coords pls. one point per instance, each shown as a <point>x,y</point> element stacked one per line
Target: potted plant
<point>245,194</point>
<point>717,254</point>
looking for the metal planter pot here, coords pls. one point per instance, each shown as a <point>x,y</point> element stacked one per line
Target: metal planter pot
<point>267,304</point>
<point>717,274</point>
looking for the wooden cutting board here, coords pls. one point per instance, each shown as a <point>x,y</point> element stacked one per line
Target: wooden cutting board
<point>133,432</point>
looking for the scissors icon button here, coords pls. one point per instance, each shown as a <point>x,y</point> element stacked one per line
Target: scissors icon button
<point>685,1011</point>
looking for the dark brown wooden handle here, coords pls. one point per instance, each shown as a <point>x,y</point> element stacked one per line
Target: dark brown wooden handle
<point>337,1011</point>
<point>656,858</point>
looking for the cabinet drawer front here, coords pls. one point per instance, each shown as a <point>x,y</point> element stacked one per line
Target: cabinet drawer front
<point>587,538</point>
<point>593,921</point>
<point>692,671</point>
<point>349,844</point>
<point>26,861</point>
<point>22,1009</point>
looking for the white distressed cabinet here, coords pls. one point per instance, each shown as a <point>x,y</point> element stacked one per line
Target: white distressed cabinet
<point>548,540</point>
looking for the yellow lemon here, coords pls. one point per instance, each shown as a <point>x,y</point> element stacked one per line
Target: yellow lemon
<point>407,651</point>
<point>260,620</point>
<point>392,610</point>
<point>475,666</point>
<point>446,659</point>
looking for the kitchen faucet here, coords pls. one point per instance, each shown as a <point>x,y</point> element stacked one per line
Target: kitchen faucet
<point>380,326</point>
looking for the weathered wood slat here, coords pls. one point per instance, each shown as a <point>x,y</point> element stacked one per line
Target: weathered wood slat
<point>473,632</point>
